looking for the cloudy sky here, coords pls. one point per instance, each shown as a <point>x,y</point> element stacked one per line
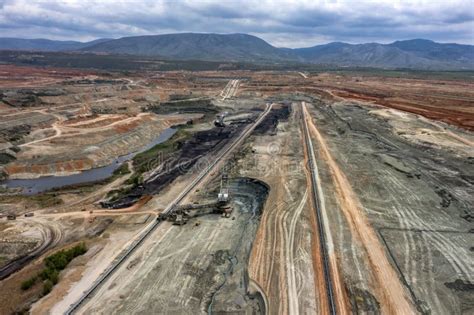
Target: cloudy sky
<point>283,23</point>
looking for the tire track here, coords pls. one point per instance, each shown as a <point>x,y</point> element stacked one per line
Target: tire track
<point>392,294</point>
<point>441,242</point>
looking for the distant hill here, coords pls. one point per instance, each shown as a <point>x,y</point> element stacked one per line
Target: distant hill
<point>414,54</point>
<point>44,44</point>
<point>417,53</point>
<point>229,47</point>
<point>432,50</point>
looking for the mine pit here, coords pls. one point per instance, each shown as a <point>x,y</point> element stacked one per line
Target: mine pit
<point>231,295</point>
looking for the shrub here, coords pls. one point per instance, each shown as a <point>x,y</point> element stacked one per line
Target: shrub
<point>50,274</point>
<point>54,276</point>
<point>61,259</point>
<point>47,287</point>
<point>123,169</point>
<point>80,249</point>
<point>25,285</point>
<point>54,264</point>
<point>57,261</point>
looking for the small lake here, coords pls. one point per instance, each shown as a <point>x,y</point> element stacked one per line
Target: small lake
<point>41,184</point>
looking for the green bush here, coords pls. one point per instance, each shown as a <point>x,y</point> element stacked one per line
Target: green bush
<point>50,274</point>
<point>47,287</point>
<point>57,261</point>
<point>54,277</point>
<point>80,249</point>
<point>46,200</point>
<point>61,259</point>
<point>54,264</point>
<point>123,169</point>
<point>25,285</point>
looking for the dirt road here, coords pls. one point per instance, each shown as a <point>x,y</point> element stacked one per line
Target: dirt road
<point>51,234</point>
<point>303,75</point>
<point>332,288</point>
<point>230,89</point>
<point>282,264</point>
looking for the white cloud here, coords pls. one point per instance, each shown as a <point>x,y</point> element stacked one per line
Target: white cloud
<point>283,22</point>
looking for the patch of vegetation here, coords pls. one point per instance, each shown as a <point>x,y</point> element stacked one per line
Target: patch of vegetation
<point>25,285</point>
<point>43,200</point>
<point>122,170</point>
<point>195,105</point>
<point>46,200</point>
<point>135,180</point>
<point>122,63</point>
<point>53,265</point>
<point>6,158</point>
<point>47,287</point>
<point>142,162</point>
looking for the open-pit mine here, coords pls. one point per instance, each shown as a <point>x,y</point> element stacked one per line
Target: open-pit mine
<point>235,192</point>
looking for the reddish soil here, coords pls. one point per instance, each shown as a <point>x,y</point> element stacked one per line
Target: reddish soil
<point>76,120</point>
<point>94,122</point>
<point>20,76</point>
<point>67,166</point>
<point>123,128</point>
<point>450,101</point>
<point>455,112</point>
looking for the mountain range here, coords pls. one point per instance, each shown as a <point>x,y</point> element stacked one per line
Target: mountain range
<point>415,53</point>
<point>9,43</point>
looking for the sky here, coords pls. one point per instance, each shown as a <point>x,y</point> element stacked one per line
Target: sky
<point>282,23</point>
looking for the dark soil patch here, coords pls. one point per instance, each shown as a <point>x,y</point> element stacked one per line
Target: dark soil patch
<point>14,134</point>
<point>183,106</point>
<point>460,285</point>
<point>6,158</point>
<point>270,122</point>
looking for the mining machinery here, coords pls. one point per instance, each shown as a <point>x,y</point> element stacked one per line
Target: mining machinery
<point>180,214</point>
<point>219,121</point>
